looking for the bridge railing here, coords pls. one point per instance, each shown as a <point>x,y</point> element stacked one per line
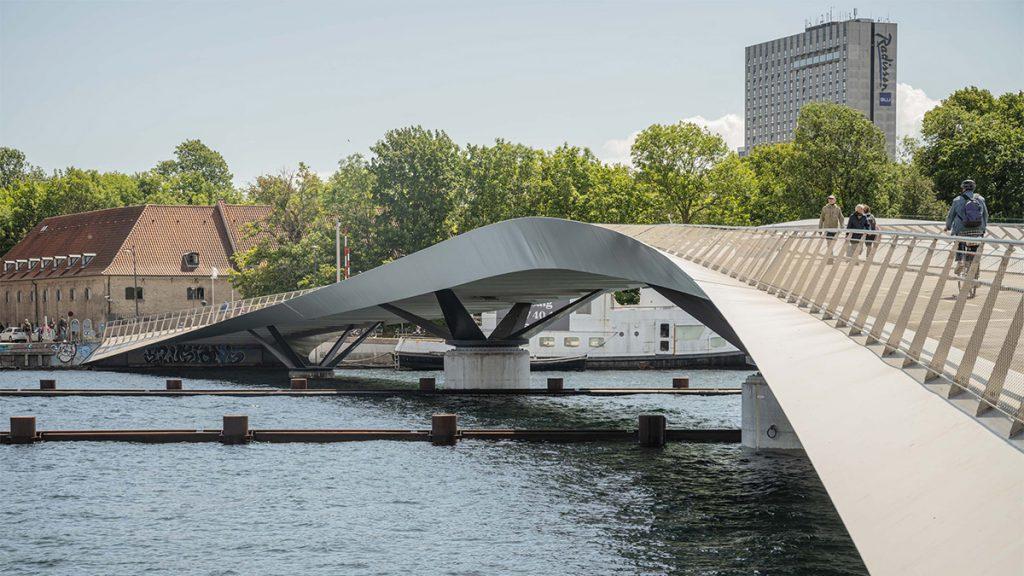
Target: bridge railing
<point>955,309</point>
<point>130,330</point>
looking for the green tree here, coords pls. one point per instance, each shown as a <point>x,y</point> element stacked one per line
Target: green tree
<point>14,167</point>
<point>974,135</point>
<point>198,175</point>
<point>348,200</point>
<point>775,200</point>
<point>418,175</point>
<point>691,175</point>
<point>838,151</point>
<point>502,181</point>
<point>913,193</point>
<point>287,254</point>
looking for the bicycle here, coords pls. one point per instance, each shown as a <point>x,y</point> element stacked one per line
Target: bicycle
<point>967,251</point>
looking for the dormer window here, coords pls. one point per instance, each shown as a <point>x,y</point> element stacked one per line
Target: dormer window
<point>32,263</point>
<point>86,258</point>
<point>191,260</point>
<point>18,264</point>
<point>59,261</point>
<point>73,259</point>
<point>8,265</point>
<point>47,262</point>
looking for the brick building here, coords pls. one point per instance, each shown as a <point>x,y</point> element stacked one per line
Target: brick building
<point>86,263</point>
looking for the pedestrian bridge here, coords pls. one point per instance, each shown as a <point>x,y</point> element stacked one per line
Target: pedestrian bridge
<point>902,379</point>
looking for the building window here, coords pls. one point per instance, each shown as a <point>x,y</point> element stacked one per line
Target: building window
<point>596,342</point>
<point>197,293</point>
<point>46,295</point>
<point>58,294</point>
<point>19,296</point>
<point>135,294</point>
<point>32,296</point>
<point>86,258</point>
<point>88,293</point>
<point>547,342</point>
<point>571,342</point>
<point>71,294</point>
<point>7,297</point>
<point>191,260</point>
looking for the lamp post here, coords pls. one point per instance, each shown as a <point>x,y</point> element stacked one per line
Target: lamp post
<point>135,279</point>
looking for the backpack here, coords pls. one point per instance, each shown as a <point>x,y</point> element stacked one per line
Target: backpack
<point>973,212</point>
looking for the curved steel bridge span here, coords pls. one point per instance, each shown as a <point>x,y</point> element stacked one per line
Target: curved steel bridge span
<point>902,378</point>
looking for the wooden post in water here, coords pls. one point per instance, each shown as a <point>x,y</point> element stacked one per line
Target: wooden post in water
<point>444,429</point>
<point>681,382</point>
<point>428,384</point>
<point>236,429</point>
<point>556,384</point>
<point>23,429</point>
<point>174,384</point>
<point>651,432</point>
<point>299,383</point>
<point>47,384</point>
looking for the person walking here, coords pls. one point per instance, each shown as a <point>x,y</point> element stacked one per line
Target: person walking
<point>869,239</point>
<point>858,221</point>
<point>831,216</point>
<point>968,217</point>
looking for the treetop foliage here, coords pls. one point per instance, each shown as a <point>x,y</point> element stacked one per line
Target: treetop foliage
<point>418,187</point>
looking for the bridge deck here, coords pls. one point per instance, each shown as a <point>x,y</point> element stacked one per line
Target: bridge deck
<point>920,467</point>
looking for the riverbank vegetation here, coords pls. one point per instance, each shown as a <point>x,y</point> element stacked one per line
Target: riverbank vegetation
<point>416,187</point>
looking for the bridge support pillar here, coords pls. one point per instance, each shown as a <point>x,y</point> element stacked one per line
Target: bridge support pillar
<point>765,426</point>
<point>492,367</point>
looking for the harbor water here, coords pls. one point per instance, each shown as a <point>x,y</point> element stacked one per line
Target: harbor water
<point>405,507</point>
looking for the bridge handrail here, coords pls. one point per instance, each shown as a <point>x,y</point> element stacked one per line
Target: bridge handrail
<point>898,289</point>
<point>139,327</point>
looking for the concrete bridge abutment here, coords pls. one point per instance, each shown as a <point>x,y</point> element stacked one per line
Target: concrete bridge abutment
<point>487,367</point>
<point>765,425</point>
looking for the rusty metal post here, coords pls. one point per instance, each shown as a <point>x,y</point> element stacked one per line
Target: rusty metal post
<point>651,430</point>
<point>235,429</point>
<point>681,382</point>
<point>23,429</point>
<point>174,384</point>
<point>299,384</point>
<point>47,384</point>
<point>444,429</point>
<point>428,384</point>
<point>556,384</point>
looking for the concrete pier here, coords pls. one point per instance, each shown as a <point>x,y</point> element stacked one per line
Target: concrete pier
<point>487,367</point>
<point>765,426</point>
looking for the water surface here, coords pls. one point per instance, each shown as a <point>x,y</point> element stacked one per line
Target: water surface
<point>404,507</point>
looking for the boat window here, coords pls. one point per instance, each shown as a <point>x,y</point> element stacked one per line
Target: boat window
<point>689,332</point>
<point>547,341</point>
<point>663,346</point>
<point>664,330</point>
<point>716,341</point>
<point>596,342</point>
<point>583,309</point>
<point>571,342</point>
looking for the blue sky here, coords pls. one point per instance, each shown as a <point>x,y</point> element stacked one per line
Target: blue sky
<point>116,85</point>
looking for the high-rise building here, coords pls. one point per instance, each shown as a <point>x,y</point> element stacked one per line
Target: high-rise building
<point>851,62</point>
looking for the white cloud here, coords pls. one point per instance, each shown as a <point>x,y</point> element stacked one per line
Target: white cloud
<point>911,104</point>
<point>729,127</point>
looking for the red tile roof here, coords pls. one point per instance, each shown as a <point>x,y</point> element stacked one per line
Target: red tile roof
<point>161,236</point>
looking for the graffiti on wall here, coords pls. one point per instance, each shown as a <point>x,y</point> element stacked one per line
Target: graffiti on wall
<point>193,354</point>
<point>70,353</point>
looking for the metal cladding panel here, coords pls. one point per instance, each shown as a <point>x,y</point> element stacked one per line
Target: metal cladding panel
<point>489,268</point>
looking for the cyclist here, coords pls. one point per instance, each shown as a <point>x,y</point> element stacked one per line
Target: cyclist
<point>968,217</point>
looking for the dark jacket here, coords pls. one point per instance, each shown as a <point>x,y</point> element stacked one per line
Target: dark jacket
<point>858,222</point>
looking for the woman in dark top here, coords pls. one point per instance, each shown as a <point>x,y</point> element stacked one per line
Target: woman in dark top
<point>858,221</point>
